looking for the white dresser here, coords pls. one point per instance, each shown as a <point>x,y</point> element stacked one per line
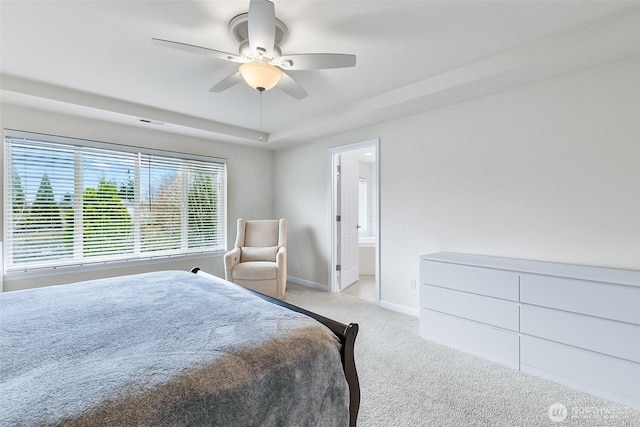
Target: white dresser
<point>575,325</point>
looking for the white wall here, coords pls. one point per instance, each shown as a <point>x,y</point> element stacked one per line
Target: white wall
<point>302,196</point>
<point>250,181</point>
<point>548,172</point>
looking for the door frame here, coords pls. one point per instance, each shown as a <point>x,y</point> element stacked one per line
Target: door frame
<point>334,283</point>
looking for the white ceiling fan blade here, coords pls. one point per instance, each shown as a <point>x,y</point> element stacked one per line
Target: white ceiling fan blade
<point>262,26</point>
<point>317,61</point>
<point>225,84</point>
<point>291,87</point>
<point>199,49</point>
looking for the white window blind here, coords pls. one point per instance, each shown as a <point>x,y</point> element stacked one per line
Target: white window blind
<point>70,201</point>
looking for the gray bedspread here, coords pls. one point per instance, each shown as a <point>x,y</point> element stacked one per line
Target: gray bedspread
<point>166,348</point>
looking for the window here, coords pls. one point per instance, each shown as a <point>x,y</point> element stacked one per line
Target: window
<point>70,201</point>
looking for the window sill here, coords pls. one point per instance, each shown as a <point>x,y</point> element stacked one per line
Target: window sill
<point>106,266</point>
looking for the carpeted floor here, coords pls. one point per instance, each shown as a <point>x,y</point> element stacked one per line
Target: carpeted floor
<point>407,381</point>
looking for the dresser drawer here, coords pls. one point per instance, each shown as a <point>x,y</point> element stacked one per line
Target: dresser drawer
<point>478,280</point>
<point>604,336</point>
<point>492,311</point>
<point>604,375</point>
<point>491,343</point>
<point>607,300</point>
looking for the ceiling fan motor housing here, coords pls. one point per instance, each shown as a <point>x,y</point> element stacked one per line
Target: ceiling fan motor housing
<point>245,50</point>
<point>239,30</point>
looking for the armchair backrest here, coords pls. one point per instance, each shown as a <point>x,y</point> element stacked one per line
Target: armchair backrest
<point>261,233</point>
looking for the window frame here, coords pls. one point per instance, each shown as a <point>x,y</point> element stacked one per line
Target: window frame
<point>137,257</point>
<point>363,205</point>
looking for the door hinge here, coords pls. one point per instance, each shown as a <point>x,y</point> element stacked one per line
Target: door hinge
<point>338,218</point>
<point>338,267</point>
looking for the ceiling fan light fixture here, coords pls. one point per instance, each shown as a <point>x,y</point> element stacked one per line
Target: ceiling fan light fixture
<point>260,75</point>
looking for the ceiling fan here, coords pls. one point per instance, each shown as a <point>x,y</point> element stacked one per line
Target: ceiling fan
<point>263,66</point>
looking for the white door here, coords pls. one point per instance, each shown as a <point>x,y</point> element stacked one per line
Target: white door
<point>348,211</point>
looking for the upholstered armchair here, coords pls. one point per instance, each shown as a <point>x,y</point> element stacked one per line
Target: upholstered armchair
<point>258,260</point>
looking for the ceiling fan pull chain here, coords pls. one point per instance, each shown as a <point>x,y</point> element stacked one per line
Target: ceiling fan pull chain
<point>260,91</point>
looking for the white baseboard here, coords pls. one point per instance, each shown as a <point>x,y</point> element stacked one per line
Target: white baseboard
<point>308,283</point>
<point>400,308</point>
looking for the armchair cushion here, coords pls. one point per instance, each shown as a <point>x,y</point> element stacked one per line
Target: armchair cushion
<point>250,253</point>
<point>255,270</point>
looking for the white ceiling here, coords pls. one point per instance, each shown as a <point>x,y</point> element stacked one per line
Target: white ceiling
<point>95,59</point>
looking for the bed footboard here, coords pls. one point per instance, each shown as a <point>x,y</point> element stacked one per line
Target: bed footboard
<point>345,333</point>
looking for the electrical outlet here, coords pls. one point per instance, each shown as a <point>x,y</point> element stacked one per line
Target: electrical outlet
<point>413,283</point>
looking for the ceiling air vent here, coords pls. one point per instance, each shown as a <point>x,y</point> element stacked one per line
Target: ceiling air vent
<point>151,122</point>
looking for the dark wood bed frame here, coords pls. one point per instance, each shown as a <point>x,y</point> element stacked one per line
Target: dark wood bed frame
<point>347,336</point>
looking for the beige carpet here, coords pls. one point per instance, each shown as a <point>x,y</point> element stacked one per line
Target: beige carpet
<point>408,381</point>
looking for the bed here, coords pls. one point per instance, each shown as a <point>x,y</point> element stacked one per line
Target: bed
<point>171,348</point>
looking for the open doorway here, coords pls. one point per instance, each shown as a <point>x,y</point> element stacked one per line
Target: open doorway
<point>354,217</point>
